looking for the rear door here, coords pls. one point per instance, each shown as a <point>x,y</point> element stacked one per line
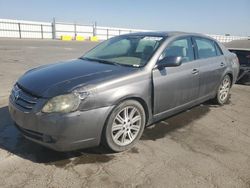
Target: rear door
<point>211,65</point>
<point>176,86</point>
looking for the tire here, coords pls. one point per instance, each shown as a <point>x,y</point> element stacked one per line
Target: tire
<point>222,94</point>
<point>124,126</point>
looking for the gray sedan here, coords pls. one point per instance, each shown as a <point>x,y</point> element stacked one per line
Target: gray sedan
<point>111,93</point>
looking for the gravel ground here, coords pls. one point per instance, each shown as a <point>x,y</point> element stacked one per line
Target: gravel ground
<point>206,146</point>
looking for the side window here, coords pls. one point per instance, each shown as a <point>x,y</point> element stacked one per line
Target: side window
<point>180,47</point>
<point>205,48</point>
<point>218,49</point>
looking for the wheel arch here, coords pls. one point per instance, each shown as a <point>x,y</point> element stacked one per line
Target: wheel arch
<point>135,98</point>
<point>228,72</point>
<point>231,77</point>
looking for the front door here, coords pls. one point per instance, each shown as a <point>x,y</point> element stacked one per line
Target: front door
<point>176,86</point>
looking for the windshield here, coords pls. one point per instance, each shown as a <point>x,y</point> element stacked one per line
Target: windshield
<point>126,50</point>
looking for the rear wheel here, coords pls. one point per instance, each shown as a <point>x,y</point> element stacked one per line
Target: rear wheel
<point>124,126</point>
<point>223,91</point>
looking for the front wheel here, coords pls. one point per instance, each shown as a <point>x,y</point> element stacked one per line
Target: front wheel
<point>124,126</point>
<point>222,95</point>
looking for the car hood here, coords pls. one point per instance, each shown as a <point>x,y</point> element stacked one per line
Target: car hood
<point>60,78</point>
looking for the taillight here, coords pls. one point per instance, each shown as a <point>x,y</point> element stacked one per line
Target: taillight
<point>237,60</point>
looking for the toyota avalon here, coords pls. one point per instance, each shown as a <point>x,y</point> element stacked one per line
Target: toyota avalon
<point>111,93</point>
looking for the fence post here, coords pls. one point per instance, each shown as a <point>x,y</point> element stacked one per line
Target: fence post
<point>119,32</point>
<point>107,33</point>
<point>53,28</point>
<point>94,29</point>
<point>19,29</point>
<point>42,31</point>
<point>75,30</point>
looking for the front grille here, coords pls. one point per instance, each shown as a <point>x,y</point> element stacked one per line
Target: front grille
<point>23,99</point>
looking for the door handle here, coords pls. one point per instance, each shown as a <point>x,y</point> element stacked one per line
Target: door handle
<point>195,71</point>
<point>222,64</point>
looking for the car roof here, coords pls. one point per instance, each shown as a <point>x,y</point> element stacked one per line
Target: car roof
<point>165,34</point>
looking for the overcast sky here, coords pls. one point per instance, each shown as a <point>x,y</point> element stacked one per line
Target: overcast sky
<point>205,16</point>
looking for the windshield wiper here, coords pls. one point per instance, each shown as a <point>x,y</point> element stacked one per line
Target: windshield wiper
<point>100,60</point>
<point>109,62</point>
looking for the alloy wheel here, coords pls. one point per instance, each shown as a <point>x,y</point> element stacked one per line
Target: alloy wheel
<point>126,125</point>
<point>224,89</point>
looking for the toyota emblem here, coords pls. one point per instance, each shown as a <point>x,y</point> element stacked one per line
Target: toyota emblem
<point>16,94</point>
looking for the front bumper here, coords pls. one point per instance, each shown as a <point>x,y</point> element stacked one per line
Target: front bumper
<point>61,132</point>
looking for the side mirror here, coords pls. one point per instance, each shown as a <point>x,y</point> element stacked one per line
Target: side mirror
<point>169,61</point>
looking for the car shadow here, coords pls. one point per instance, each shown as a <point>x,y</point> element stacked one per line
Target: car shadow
<point>13,142</point>
<point>244,81</point>
<point>175,122</point>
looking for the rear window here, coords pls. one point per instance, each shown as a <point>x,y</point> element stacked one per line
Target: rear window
<point>218,49</point>
<point>205,48</point>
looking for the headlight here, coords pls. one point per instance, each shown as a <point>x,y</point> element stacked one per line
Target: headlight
<point>64,103</point>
